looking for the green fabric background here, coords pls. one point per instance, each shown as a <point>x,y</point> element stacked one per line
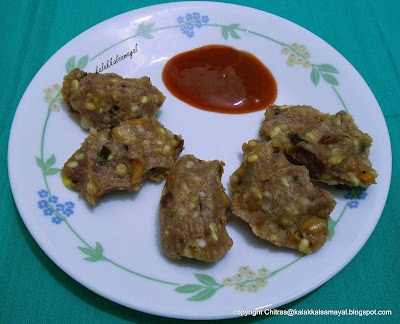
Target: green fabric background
<point>33,289</point>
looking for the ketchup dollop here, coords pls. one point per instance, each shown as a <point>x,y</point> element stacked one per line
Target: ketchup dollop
<point>220,78</point>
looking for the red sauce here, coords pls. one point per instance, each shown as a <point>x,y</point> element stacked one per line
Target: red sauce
<point>220,78</point>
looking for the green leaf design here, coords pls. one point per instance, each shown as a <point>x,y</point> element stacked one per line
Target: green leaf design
<point>330,79</point>
<point>87,251</point>
<point>315,76</point>
<point>234,34</point>
<point>331,228</point>
<point>327,68</point>
<point>145,30</point>
<point>94,258</point>
<point>140,28</point>
<point>40,163</point>
<point>204,294</point>
<point>70,64</point>
<point>186,289</point>
<point>147,35</point>
<point>50,161</point>
<point>51,171</point>
<point>206,279</point>
<point>95,254</point>
<point>226,30</point>
<point>148,28</point>
<point>233,26</point>
<point>98,249</point>
<point>224,33</point>
<point>83,61</point>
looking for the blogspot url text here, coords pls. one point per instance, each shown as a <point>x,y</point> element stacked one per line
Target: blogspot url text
<point>313,312</point>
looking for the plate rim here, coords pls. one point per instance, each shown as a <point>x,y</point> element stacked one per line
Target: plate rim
<point>63,267</point>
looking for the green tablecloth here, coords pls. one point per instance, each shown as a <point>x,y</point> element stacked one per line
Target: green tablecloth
<point>33,289</point>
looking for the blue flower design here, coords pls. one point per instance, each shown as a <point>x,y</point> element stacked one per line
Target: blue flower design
<point>362,195</point>
<point>69,204</point>
<point>353,204</point>
<point>53,199</point>
<point>60,207</point>
<point>67,212</point>
<point>192,20</point>
<point>349,195</point>
<point>48,211</point>
<point>42,204</point>
<point>355,194</point>
<point>198,24</point>
<point>51,207</point>
<point>185,30</point>
<point>43,193</point>
<point>56,220</point>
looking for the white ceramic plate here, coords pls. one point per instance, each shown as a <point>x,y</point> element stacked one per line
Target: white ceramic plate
<point>114,249</point>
